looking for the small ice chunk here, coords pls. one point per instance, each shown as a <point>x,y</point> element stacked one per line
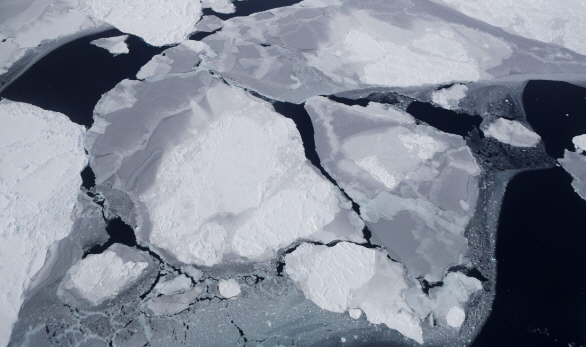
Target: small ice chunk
<point>115,45</point>
<point>355,313</point>
<point>220,6</point>
<point>172,304</point>
<point>229,288</point>
<point>177,284</point>
<point>512,132</point>
<point>575,164</point>
<point>192,272</point>
<point>455,317</point>
<point>580,143</point>
<point>102,276</point>
<point>449,98</point>
<point>351,277</point>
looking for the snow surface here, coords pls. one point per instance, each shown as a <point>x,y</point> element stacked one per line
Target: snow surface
<point>229,288</point>
<point>98,277</point>
<point>158,22</point>
<point>512,132</point>
<point>349,277</point>
<point>41,156</point>
<point>579,142</point>
<point>223,179</point>
<point>409,180</point>
<point>449,98</point>
<point>115,45</point>
<point>559,22</point>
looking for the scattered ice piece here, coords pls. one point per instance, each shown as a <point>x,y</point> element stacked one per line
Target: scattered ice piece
<point>115,45</point>
<point>575,164</point>
<point>560,22</point>
<point>449,98</point>
<point>416,186</point>
<point>229,288</point>
<point>220,6</point>
<point>158,22</point>
<point>580,143</point>
<point>177,284</point>
<point>98,277</point>
<point>355,313</point>
<point>41,156</point>
<point>349,276</point>
<point>512,132</point>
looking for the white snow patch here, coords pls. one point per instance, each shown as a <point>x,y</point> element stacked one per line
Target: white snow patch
<point>512,132</point>
<point>349,277</point>
<point>449,98</point>
<point>115,45</point>
<point>229,288</point>
<point>102,276</point>
<point>580,143</point>
<point>158,22</point>
<point>41,156</point>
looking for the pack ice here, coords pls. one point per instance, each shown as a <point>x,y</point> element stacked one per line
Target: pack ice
<point>212,180</point>
<point>41,156</point>
<point>416,186</point>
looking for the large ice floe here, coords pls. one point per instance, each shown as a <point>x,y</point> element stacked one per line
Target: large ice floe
<point>416,186</point>
<point>41,156</point>
<point>217,179</point>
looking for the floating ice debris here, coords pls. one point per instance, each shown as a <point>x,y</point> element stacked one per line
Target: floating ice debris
<point>220,6</point>
<point>575,165</point>
<point>115,45</point>
<point>41,156</point>
<point>229,288</point>
<point>215,178</point>
<point>102,276</point>
<point>559,22</point>
<point>349,277</point>
<point>158,22</point>
<point>512,132</point>
<point>580,143</point>
<point>416,186</point>
<point>449,98</point>
<point>177,284</point>
<point>26,24</point>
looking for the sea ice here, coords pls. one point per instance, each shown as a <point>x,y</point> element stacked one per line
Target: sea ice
<point>98,277</point>
<point>416,186</point>
<point>41,156</point>
<point>558,22</point>
<point>220,6</point>
<point>214,179</point>
<point>177,284</point>
<point>229,288</point>
<point>511,132</point>
<point>115,45</point>
<point>580,143</point>
<point>449,98</point>
<point>178,59</point>
<point>575,164</point>
<point>158,22</point>
<point>350,277</point>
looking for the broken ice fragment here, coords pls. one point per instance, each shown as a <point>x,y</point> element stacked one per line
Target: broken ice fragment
<point>177,284</point>
<point>512,132</point>
<point>351,277</point>
<point>449,98</point>
<point>580,143</point>
<point>102,276</point>
<point>229,288</point>
<point>416,186</point>
<point>41,157</point>
<point>115,45</point>
<point>178,59</point>
<point>172,304</point>
<point>220,6</point>
<point>575,165</point>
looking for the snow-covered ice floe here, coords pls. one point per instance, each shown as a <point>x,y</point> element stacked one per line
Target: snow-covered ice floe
<point>416,186</point>
<point>229,288</point>
<point>350,277</point>
<point>115,45</point>
<point>449,98</point>
<point>580,143</point>
<point>99,277</point>
<point>214,180</point>
<point>41,156</point>
<point>575,164</point>
<point>512,133</point>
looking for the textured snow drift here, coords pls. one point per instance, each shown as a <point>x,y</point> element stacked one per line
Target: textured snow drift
<point>416,186</point>
<point>115,45</point>
<point>512,133</point>
<point>102,276</point>
<point>41,156</point>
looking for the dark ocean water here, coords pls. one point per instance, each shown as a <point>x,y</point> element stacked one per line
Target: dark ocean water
<point>541,281</point>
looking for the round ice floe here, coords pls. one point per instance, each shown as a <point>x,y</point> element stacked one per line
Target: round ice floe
<point>229,288</point>
<point>455,317</point>
<point>355,313</point>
